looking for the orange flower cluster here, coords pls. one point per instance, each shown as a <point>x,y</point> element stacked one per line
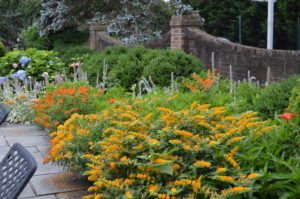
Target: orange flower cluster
<point>9,102</point>
<point>202,84</point>
<point>56,107</point>
<point>130,156</point>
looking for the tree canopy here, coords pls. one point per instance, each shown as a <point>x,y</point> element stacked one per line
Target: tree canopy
<point>15,15</point>
<point>221,20</point>
<point>135,21</point>
<point>132,21</point>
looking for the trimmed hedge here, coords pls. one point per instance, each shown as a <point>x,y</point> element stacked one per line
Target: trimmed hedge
<point>127,66</point>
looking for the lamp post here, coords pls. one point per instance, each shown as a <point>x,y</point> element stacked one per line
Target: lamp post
<point>270,22</point>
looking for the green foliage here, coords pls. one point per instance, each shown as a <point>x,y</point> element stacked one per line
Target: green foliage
<point>32,39</point>
<point>127,65</point>
<point>245,96</point>
<point>15,15</point>
<point>161,63</point>
<point>133,22</point>
<point>221,20</point>
<point>18,99</point>
<point>40,62</point>
<point>2,49</point>
<point>275,98</point>
<point>29,11</point>
<point>294,102</point>
<point>70,53</point>
<point>93,65</point>
<point>70,36</point>
<point>275,155</point>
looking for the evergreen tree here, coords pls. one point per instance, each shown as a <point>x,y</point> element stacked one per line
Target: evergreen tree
<point>15,15</point>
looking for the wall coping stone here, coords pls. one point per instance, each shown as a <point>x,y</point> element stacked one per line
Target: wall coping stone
<point>185,21</point>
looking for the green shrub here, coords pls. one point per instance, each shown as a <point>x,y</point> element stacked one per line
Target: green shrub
<point>32,39</point>
<point>70,36</point>
<point>72,53</point>
<point>244,96</point>
<point>93,65</point>
<point>2,49</point>
<point>294,101</point>
<point>275,155</point>
<point>275,98</point>
<point>161,63</point>
<point>128,65</point>
<point>31,62</point>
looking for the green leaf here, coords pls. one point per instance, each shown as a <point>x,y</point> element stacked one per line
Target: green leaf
<point>174,150</point>
<point>167,168</point>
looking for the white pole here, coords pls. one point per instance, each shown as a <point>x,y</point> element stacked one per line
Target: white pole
<point>270,24</point>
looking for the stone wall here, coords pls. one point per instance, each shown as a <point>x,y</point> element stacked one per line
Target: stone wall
<point>186,35</point>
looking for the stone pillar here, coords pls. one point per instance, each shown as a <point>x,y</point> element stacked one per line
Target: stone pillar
<point>178,25</point>
<point>94,30</point>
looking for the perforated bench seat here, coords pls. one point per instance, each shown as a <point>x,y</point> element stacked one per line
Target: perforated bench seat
<point>16,169</point>
<point>4,111</point>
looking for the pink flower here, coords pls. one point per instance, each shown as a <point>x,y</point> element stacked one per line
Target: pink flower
<point>287,116</point>
<point>15,65</point>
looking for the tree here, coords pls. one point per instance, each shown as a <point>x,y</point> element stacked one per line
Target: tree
<point>221,20</point>
<point>15,15</point>
<point>132,21</point>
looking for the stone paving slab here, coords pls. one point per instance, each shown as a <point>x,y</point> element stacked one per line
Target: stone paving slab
<point>2,141</point>
<point>27,141</point>
<point>43,197</point>
<point>32,149</point>
<point>72,195</point>
<point>3,151</point>
<point>27,192</point>
<point>49,181</point>
<point>57,183</point>
<point>45,168</point>
<point>44,149</point>
<point>23,130</point>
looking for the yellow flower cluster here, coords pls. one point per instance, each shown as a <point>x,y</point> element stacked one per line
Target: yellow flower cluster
<point>202,164</point>
<point>134,157</point>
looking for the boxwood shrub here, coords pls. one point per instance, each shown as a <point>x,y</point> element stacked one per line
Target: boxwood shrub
<point>128,65</point>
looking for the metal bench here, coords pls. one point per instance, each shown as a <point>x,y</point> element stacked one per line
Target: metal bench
<point>4,111</point>
<point>16,169</point>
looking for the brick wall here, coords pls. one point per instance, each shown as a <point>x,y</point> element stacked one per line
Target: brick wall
<point>99,40</point>
<point>162,42</point>
<point>186,35</point>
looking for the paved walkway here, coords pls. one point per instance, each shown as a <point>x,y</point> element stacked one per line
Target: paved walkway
<point>49,181</point>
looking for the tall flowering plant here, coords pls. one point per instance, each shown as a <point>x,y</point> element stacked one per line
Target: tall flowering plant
<point>57,106</point>
<point>202,84</point>
<point>18,98</point>
<point>184,154</point>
